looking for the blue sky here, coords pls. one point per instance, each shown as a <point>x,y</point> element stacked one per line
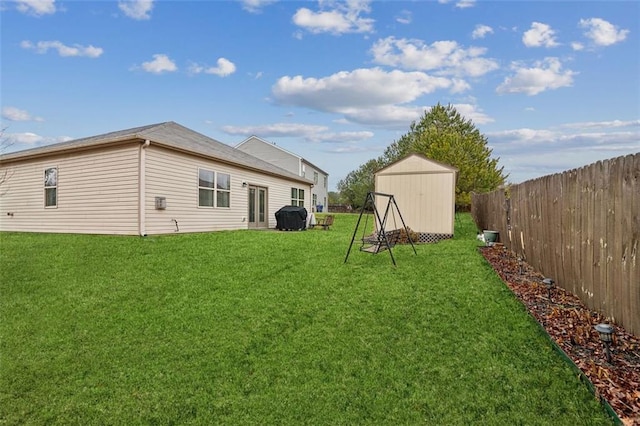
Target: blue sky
<point>552,85</point>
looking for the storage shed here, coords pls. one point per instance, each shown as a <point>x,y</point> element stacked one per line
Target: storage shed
<point>425,191</point>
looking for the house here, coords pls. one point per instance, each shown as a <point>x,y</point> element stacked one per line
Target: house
<point>274,154</point>
<point>425,192</point>
<point>157,179</point>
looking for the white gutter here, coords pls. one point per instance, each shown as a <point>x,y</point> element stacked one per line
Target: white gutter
<point>142,214</point>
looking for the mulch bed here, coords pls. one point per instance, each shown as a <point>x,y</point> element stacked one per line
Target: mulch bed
<point>571,325</point>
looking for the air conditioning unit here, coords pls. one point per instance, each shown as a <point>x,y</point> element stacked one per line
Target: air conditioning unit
<point>161,203</point>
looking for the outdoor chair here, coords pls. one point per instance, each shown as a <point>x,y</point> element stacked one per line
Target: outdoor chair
<point>325,222</point>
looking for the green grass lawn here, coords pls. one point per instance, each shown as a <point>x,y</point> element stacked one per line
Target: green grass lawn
<point>266,327</point>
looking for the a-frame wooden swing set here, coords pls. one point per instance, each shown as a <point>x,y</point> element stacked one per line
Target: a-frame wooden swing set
<point>379,240</point>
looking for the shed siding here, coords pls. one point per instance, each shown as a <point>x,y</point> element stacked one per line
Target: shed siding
<point>97,193</point>
<point>425,201</point>
<point>424,191</point>
<point>174,175</point>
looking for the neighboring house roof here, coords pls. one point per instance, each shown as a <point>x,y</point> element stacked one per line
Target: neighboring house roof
<point>304,160</point>
<point>168,134</point>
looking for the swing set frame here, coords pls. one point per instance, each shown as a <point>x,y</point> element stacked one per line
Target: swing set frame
<point>379,241</point>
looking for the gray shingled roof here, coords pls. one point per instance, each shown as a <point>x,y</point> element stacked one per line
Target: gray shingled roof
<point>168,134</point>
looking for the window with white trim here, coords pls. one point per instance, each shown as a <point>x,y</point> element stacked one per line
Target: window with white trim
<point>51,187</point>
<point>315,178</point>
<point>297,197</point>
<point>325,181</point>
<point>223,190</point>
<point>214,189</point>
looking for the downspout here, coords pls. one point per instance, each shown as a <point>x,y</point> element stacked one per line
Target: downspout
<point>142,214</point>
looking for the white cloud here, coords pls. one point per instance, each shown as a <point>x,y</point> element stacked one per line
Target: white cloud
<point>337,18</point>
<point>459,86</point>
<point>445,57</point>
<point>309,132</point>
<point>544,75</point>
<point>341,137</point>
<point>539,35</point>
<point>391,116</point>
<point>136,9</point>
<point>577,46</point>
<point>36,7</point>
<point>361,88</point>
<point>400,117</point>
<point>474,113</point>
<point>601,32</point>
<point>603,124</point>
<point>255,6</point>
<point>160,64</point>
<point>367,96</point>
<point>529,153</point>
<point>16,114</point>
<point>224,68</point>
<point>404,17</point>
<point>63,50</point>
<point>26,138</point>
<point>464,4</point>
<point>460,4</point>
<point>276,130</point>
<point>481,31</point>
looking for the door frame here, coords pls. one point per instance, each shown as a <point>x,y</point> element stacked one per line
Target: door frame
<point>255,214</point>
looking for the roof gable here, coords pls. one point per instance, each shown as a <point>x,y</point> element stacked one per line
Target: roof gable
<point>414,163</point>
<point>254,138</point>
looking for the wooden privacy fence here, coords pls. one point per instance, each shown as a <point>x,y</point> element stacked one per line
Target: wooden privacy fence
<point>580,228</point>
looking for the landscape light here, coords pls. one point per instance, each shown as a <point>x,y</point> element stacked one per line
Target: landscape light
<point>606,336</point>
<point>549,283</point>
<point>520,265</point>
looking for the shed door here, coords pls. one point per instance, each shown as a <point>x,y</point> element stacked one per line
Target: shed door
<point>258,215</point>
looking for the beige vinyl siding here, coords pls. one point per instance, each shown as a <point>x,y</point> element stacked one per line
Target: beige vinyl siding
<point>420,198</point>
<point>174,175</point>
<point>272,154</point>
<point>96,193</point>
<point>424,191</point>
<point>319,189</point>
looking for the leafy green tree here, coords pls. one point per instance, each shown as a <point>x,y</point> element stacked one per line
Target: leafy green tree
<point>443,135</point>
<point>354,187</point>
<point>334,197</point>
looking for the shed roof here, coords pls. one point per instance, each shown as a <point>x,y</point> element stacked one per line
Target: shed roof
<point>418,163</point>
<point>168,134</point>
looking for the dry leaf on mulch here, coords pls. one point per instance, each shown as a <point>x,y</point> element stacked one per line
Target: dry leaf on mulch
<point>571,325</point>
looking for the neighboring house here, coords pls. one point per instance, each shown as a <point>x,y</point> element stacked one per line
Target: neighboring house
<point>425,191</point>
<point>156,179</point>
<point>272,153</point>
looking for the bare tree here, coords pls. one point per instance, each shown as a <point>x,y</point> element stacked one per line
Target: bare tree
<point>5,174</point>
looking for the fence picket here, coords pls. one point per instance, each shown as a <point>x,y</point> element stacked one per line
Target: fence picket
<point>580,227</point>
